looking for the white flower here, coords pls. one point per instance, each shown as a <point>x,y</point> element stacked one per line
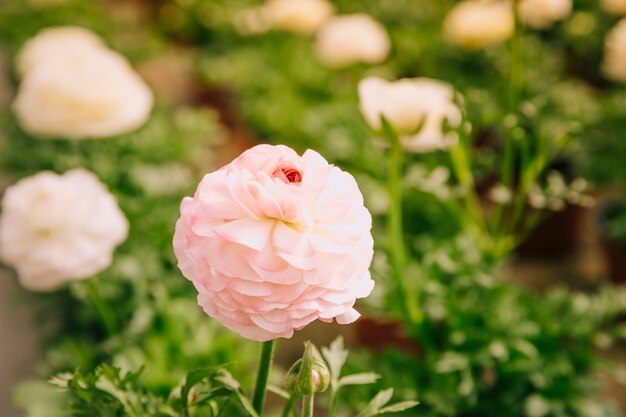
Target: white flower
<point>617,7</point>
<point>58,228</point>
<point>350,39</point>
<point>90,93</point>
<point>501,194</point>
<point>479,23</point>
<point>540,14</point>
<point>298,16</point>
<point>415,108</point>
<point>55,42</point>
<point>614,63</point>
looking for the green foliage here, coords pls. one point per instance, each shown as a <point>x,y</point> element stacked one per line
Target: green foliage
<point>107,392</point>
<point>487,346</point>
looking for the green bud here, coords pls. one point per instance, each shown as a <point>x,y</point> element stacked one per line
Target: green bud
<point>307,376</point>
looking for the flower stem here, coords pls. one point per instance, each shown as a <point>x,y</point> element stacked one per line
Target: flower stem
<point>307,405</point>
<point>397,251</point>
<point>104,310</point>
<point>265,363</point>
<point>515,87</point>
<point>288,406</point>
<point>332,409</point>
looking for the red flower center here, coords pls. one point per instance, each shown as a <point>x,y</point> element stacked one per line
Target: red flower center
<point>288,173</point>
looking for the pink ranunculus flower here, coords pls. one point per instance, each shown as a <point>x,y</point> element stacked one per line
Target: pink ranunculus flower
<point>274,241</point>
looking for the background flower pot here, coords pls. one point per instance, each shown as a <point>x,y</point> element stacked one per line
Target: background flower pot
<point>615,254</point>
<point>378,334</point>
<point>559,233</point>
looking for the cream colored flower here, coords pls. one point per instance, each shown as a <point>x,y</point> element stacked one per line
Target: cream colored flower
<point>304,17</point>
<point>616,7</point>
<point>479,23</point>
<point>415,108</point>
<point>55,42</point>
<point>59,228</point>
<point>91,94</point>
<point>350,39</point>
<point>541,14</point>
<point>614,63</point>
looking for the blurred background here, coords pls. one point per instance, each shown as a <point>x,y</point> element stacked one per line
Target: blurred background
<point>517,274</point>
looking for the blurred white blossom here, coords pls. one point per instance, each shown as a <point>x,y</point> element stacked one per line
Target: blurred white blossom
<point>350,39</point>
<point>541,14</point>
<point>614,63</point>
<point>417,109</point>
<point>557,193</point>
<point>616,7</point>
<point>59,228</point>
<point>479,23</point>
<point>500,194</point>
<point>303,17</point>
<point>75,88</point>
<point>56,43</point>
<point>433,182</point>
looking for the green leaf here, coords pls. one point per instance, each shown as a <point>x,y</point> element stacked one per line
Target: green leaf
<point>231,383</point>
<point>359,379</point>
<point>193,378</point>
<point>401,406</point>
<point>378,402</point>
<point>335,357</point>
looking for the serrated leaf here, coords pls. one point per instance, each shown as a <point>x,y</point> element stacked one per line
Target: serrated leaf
<point>377,403</point>
<point>193,378</point>
<point>335,356</point>
<point>397,407</point>
<point>231,383</point>
<point>359,379</point>
<point>61,380</point>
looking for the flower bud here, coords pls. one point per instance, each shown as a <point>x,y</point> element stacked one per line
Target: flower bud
<point>307,376</point>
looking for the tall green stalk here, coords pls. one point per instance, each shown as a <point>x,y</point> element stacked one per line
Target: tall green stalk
<point>260,387</point>
<point>514,97</point>
<point>106,313</point>
<point>396,248</point>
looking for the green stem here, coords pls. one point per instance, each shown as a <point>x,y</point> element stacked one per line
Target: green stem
<point>104,310</point>
<point>288,406</point>
<point>514,95</point>
<point>265,363</point>
<point>307,405</point>
<point>397,251</point>
<point>462,167</point>
<point>332,409</point>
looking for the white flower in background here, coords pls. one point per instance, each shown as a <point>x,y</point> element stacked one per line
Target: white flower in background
<point>55,43</point>
<point>435,181</point>
<point>501,194</point>
<point>350,39</point>
<point>303,17</point>
<point>557,193</point>
<point>416,109</point>
<point>540,14</point>
<point>479,23</point>
<point>616,7</point>
<point>91,94</point>
<point>59,228</point>
<point>614,63</point>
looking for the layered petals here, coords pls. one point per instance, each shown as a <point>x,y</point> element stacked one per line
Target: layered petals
<point>274,241</point>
